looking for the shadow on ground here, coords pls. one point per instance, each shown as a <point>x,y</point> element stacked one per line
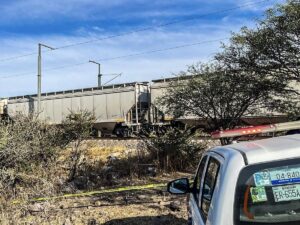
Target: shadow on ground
<point>148,220</point>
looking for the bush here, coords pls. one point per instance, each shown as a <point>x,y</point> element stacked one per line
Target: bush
<point>28,148</point>
<point>27,141</point>
<point>77,127</point>
<point>176,150</point>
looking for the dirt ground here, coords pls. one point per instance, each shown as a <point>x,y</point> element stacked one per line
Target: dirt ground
<point>147,207</point>
<point>142,207</point>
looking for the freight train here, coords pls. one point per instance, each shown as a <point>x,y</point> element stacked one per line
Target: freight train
<point>121,109</point>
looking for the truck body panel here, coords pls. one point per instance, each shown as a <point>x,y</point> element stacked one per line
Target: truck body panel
<point>280,154</point>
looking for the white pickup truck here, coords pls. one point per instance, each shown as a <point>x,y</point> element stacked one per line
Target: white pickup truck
<point>247,183</point>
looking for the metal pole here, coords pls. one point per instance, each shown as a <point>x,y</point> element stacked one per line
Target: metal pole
<point>99,72</point>
<point>40,74</point>
<point>99,75</point>
<point>39,78</point>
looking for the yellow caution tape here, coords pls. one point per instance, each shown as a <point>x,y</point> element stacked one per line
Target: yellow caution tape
<point>120,189</point>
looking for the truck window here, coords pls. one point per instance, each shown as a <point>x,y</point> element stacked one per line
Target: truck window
<point>198,178</point>
<point>209,185</point>
<point>269,194</point>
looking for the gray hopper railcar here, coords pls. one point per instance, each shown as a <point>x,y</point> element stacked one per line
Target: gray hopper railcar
<point>119,109</point>
<point>159,115</point>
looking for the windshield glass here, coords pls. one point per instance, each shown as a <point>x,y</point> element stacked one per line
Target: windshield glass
<point>269,194</point>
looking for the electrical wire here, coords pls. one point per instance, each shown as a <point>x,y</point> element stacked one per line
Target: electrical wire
<point>118,57</point>
<point>162,50</point>
<point>141,30</point>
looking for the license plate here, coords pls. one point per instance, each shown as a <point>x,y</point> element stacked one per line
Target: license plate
<point>286,193</point>
<point>285,176</point>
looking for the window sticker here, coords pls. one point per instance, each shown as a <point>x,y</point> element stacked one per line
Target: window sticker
<point>262,178</point>
<point>258,194</point>
<point>286,193</point>
<point>277,176</point>
<point>285,175</point>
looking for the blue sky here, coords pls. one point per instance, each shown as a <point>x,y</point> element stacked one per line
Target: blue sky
<point>25,23</point>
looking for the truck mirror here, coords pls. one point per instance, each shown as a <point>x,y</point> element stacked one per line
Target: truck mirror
<point>179,186</point>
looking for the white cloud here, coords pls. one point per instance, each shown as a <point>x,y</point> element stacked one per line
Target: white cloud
<point>258,6</point>
<point>139,68</point>
<point>37,9</point>
<point>29,10</point>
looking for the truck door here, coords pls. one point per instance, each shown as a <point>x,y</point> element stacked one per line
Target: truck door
<point>201,203</point>
<point>195,216</point>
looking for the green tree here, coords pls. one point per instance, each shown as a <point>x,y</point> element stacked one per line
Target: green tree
<point>270,50</point>
<point>256,73</point>
<point>215,95</point>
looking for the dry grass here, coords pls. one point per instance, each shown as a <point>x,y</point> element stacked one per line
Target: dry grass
<point>93,152</point>
<point>143,207</point>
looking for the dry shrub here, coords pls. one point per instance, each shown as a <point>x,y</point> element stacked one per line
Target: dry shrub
<point>28,148</point>
<point>27,141</point>
<point>176,150</point>
<point>77,127</point>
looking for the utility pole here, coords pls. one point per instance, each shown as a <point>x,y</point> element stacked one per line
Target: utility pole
<point>40,74</point>
<point>99,72</point>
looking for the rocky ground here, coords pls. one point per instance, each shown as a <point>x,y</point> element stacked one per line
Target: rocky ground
<point>147,207</point>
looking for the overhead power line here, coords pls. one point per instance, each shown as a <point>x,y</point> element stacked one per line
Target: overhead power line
<point>251,3</point>
<point>118,57</point>
<point>163,49</point>
<point>17,57</point>
<point>165,24</point>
